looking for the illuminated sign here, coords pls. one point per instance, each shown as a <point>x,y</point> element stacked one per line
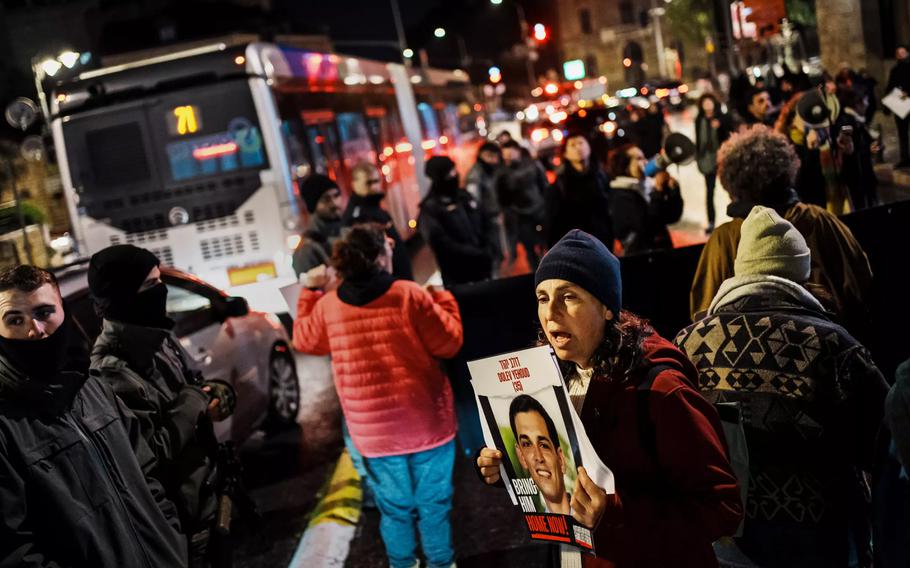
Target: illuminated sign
<point>184,120</point>
<point>574,69</point>
<point>215,151</point>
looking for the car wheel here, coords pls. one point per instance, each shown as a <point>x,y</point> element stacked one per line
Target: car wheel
<point>284,389</point>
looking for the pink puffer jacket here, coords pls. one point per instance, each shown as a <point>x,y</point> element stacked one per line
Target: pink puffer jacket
<point>396,399</point>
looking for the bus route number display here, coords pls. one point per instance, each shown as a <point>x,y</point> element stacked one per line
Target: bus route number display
<point>184,120</point>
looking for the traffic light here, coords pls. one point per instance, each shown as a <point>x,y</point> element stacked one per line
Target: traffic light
<point>540,32</point>
<point>495,74</point>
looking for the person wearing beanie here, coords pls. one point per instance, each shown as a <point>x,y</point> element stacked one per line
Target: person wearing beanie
<point>455,226</point>
<point>812,402</point>
<point>322,198</point>
<point>759,167</point>
<point>139,356</point>
<point>635,392</point>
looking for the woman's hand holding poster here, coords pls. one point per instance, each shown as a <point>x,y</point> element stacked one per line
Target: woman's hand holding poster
<point>526,414</point>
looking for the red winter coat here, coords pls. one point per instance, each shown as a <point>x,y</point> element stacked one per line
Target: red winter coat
<point>666,514</point>
<point>396,399</point>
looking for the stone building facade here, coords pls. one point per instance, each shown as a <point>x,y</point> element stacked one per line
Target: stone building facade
<point>604,34</point>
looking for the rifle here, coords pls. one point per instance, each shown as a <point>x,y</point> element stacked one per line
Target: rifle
<point>231,493</point>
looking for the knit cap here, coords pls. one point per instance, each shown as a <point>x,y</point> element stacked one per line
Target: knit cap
<point>313,187</point>
<point>770,245</point>
<point>584,260</point>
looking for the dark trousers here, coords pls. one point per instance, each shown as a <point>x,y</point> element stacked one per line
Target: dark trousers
<point>903,131</point>
<point>527,231</point>
<point>710,183</point>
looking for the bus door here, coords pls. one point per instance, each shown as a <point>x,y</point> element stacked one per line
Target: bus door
<point>396,162</point>
<point>322,143</point>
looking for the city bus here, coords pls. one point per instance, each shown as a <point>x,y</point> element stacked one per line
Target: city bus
<point>196,154</point>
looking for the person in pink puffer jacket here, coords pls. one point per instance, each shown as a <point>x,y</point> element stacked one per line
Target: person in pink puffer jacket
<point>385,337</point>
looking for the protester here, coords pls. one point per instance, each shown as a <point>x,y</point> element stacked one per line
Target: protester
<point>76,479</point>
<point>142,360</point>
<point>322,199</point>
<point>857,167</point>
<point>481,184</point>
<point>712,128</point>
<point>454,226</point>
<point>641,207</point>
<point>756,109</point>
<point>810,181</point>
<point>364,206</point>
<point>396,401</point>
<point>675,490</point>
<point>812,403</point>
<point>758,167</point>
<point>520,187</point>
<point>580,197</point>
<point>899,78</point>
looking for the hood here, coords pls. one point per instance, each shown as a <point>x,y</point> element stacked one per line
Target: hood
<point>135,344</point>
<point>759,292</point>
<point>362,291</point>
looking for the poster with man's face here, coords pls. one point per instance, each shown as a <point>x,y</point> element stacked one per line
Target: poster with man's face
<point>527,415</point>
<point>538,449</point>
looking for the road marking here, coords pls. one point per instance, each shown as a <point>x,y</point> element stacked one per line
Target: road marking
<point>333,521</point>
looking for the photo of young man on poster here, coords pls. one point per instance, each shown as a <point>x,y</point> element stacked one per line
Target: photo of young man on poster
<point>539,452</point>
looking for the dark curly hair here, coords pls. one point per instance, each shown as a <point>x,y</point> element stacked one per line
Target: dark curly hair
<point>619,354</point>
<point>757,166</point>
<point>354,255</point>
<point>26,278</point>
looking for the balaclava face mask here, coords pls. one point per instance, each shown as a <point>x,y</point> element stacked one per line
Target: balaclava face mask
<point>115,276</point>
<point>39,359</point>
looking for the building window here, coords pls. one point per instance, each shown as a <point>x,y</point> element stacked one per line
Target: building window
<point>584,18</point>
<point>591,65</point>
<point>626,12</point>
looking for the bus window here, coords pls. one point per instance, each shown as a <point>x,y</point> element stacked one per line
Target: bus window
<point>429,122</point>
<point>396,160</point>
<point>355,140</point>
<point>322,143</point>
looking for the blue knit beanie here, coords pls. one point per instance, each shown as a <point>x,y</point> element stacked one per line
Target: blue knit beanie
<point>584,260</point>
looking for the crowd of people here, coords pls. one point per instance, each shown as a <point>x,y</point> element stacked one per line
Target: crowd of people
<point>110,460</point>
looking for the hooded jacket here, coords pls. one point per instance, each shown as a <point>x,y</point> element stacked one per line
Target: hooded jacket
<point>812,403</point>
<point>150,372</point>
<point>672,503</point>
<point>385,339</point>
<point>367,209</point>
<point>458,233</point>
<point>839,264</point>
<point>76,485</point>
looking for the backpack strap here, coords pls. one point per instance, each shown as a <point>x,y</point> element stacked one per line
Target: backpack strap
<point>646,429</point>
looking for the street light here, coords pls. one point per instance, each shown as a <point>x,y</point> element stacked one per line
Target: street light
<point>496,2</point>
<point>409,53</point>
<point>439,32</point>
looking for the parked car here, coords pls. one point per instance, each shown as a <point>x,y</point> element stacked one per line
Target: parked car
<point>250,350</point>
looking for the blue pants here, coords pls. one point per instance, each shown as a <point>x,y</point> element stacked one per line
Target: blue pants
<point>415,484</point>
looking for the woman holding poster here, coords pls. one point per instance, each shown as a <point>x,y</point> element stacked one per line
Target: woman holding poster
<point>385,336</point>
<point>635,393</point>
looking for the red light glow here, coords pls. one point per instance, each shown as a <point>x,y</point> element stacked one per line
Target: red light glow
<point>215,151</point>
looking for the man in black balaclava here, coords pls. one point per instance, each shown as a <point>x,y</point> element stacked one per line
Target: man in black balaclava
<point>364,206</point>
<point>322,198</point>
<point>75,486</point>
<point>900,79</point>
<point>141,358</point>
<point>453,224</point>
